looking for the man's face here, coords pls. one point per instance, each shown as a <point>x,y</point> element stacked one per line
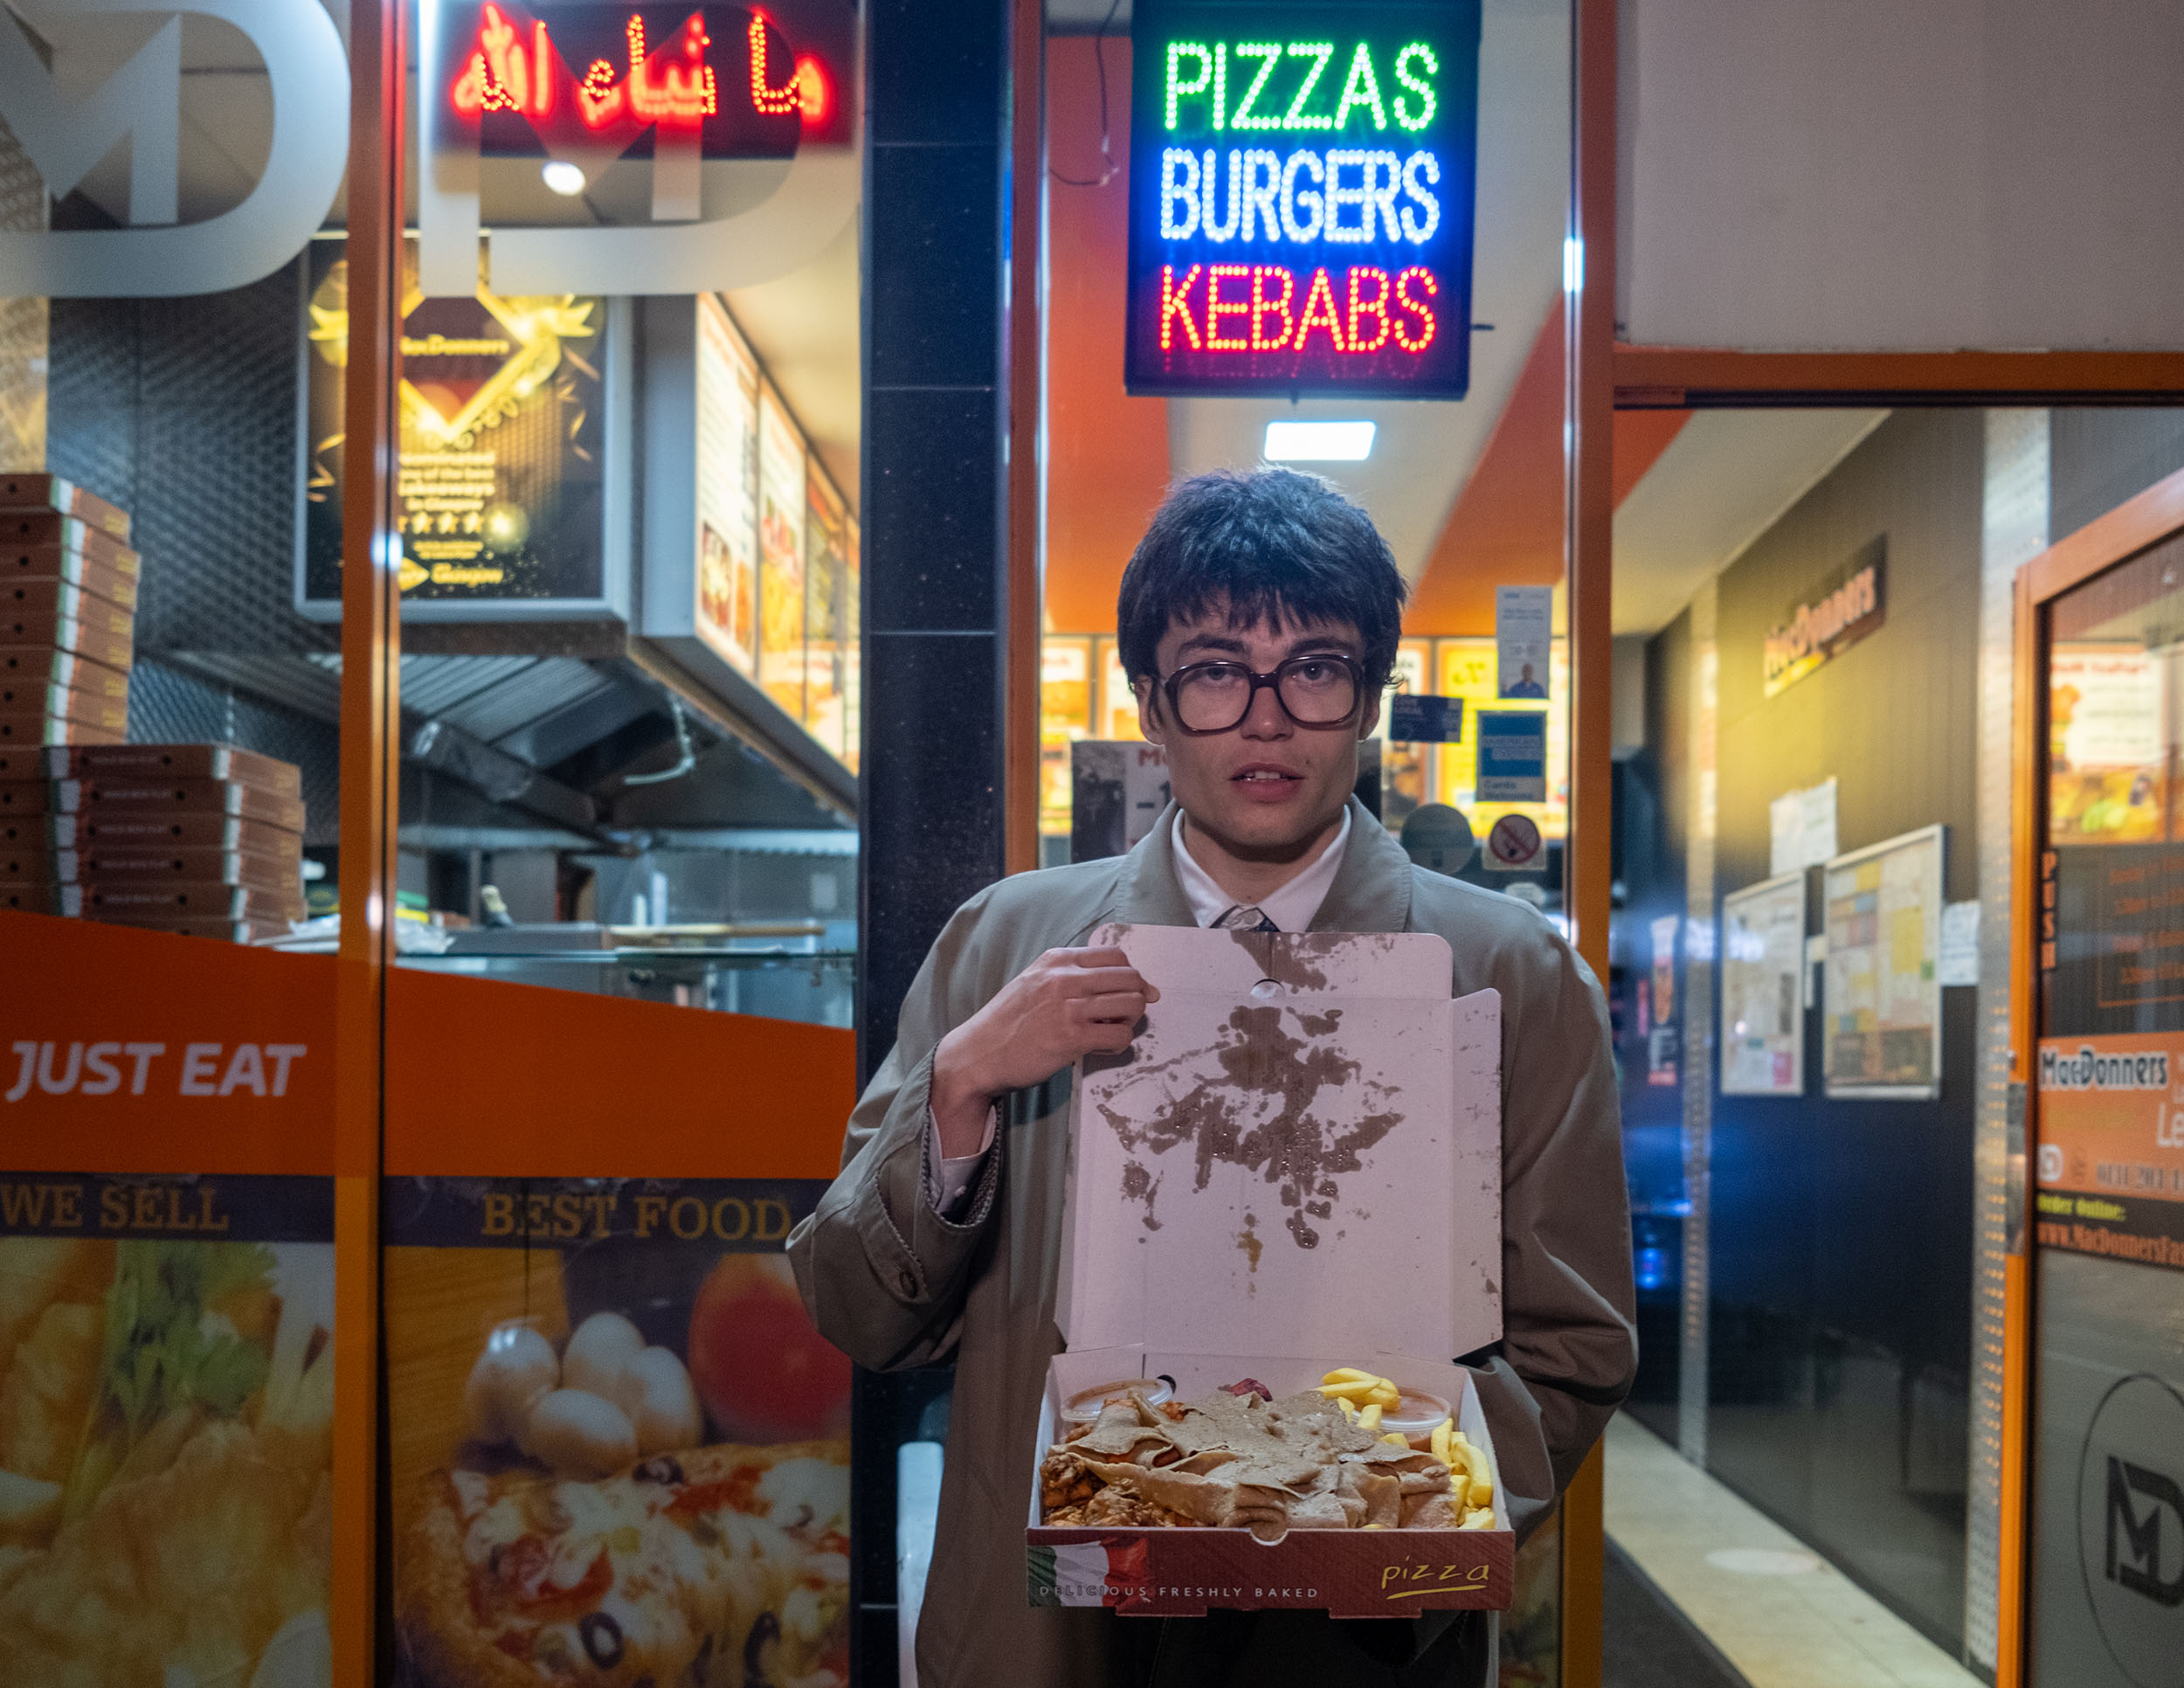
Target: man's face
<point>1268,786</point>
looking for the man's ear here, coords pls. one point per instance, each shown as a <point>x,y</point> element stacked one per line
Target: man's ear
<point>1148,709</point>
<point>1372,721</point>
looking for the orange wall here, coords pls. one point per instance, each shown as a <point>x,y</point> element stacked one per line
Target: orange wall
<point>1107,452</point>
<point>1506,527</point>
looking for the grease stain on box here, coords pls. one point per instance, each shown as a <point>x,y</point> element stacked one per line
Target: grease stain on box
<point>1264,1064</point>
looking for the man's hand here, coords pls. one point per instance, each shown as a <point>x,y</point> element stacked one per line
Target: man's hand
<point>1065,1005</point>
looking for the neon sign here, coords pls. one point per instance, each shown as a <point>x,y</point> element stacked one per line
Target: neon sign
<point>723,77</point>
<point>1301,196</point>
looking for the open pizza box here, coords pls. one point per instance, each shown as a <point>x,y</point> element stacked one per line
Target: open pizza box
<point>1296,1167</point>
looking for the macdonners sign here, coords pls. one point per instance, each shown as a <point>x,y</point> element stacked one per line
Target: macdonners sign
<point>2111,1166</point>
<point>1301,194</point>
<point>1830,620</point>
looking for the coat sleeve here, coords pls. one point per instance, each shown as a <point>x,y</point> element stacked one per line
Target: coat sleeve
<point>1569,1349</point>
<point>882,1274</point>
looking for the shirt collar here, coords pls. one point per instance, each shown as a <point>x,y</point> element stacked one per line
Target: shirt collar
<point>1292,908</point>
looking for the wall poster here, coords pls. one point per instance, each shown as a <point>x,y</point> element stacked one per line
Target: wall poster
<point>727,609</point>
<point>503,493</point>
<point>1469,670</point>
<point>781,568</point>
<point>1883,994</point>
<point>1118,788</point>
<point>2107,761</point>
<point>1657,1011</point>
<point>1763,1003</point>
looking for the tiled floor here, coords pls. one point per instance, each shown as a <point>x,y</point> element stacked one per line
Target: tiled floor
<point>1779,1613</point>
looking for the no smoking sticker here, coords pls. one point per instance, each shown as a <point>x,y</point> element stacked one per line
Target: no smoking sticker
<point>1514,844</point>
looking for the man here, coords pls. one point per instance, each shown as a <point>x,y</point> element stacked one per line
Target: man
<point>1258,623</point>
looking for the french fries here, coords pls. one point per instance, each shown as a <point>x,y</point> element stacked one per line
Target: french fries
<point>1364,1396</point>
<point>1359,1389</point>
<point>1474,1463</point>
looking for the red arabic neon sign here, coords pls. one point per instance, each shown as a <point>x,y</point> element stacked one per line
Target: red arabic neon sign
<point>516,66</point>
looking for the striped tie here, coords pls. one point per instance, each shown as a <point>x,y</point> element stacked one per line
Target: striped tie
<point>1245,918</point>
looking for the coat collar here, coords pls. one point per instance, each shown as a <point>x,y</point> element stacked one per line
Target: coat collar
<point>1371,892</point>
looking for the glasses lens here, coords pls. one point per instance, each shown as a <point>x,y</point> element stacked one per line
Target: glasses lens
<point>1214,697</point>
<point>1318,691</point>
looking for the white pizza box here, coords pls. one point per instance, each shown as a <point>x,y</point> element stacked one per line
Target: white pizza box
<point>1296,1166</point>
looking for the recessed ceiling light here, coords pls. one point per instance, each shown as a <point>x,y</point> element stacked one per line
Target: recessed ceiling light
<point>1319,442</point>
<point>563,177</point>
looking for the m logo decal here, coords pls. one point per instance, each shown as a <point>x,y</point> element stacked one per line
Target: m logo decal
<point>66,138</point>
<point>2139,1567</point>
<point>2131,1529</point>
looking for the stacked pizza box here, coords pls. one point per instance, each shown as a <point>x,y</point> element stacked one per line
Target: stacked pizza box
<point>202,838</point>
<point>68,584</point>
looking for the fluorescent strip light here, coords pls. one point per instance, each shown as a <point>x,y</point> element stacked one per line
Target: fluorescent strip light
<point>1319,442</point>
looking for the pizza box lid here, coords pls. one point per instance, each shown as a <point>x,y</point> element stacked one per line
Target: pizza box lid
<point>1300,1154</point>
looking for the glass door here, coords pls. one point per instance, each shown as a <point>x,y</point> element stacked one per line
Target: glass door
<point>2107,1503</point>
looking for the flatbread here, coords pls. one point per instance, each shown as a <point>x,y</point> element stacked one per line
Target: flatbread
<point>1233,1462</point>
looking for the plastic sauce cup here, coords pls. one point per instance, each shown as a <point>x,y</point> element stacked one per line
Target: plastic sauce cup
<point>1083,1406</point>
<point>1415,1414</point>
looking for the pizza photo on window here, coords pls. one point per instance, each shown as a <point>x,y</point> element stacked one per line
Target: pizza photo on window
<point>620,1450</point>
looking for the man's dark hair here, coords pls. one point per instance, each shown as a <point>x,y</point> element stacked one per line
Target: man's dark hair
<point>1272,546</point>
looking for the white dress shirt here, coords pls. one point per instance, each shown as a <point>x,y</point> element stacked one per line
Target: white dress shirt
<point>1292,908</point>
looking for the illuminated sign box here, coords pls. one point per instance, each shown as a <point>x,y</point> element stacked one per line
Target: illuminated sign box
<point>511,492</point>
<point>593,81</point>
<point>1301,197</point>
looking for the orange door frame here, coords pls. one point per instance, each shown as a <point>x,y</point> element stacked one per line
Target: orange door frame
<point>1610,375</point>
<point>1589,493</point>
<point>1027,433</point>
<point>370,752</point>
<point>2153,516</point>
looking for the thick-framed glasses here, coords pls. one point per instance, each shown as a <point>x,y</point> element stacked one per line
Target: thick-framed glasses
<point>1319,692</point>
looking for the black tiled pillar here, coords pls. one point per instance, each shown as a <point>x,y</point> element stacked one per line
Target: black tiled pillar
<point>935,480</point>
<point>935,250</point>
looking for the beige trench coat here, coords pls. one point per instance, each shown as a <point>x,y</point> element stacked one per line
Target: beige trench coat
<point>893,1285</point>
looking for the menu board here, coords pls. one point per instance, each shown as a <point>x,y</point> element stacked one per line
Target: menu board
<point>1468,671</point>
<point>777,575</point>
<point>825,589</point>
<point>500,492</point>
<point>1116,715</point>
<point>781,565</point>
<point>853,646</point>
<point>1762,995</point>
<point>1065,714</point>
<point>1883,996</point>
<point>727,608</point>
